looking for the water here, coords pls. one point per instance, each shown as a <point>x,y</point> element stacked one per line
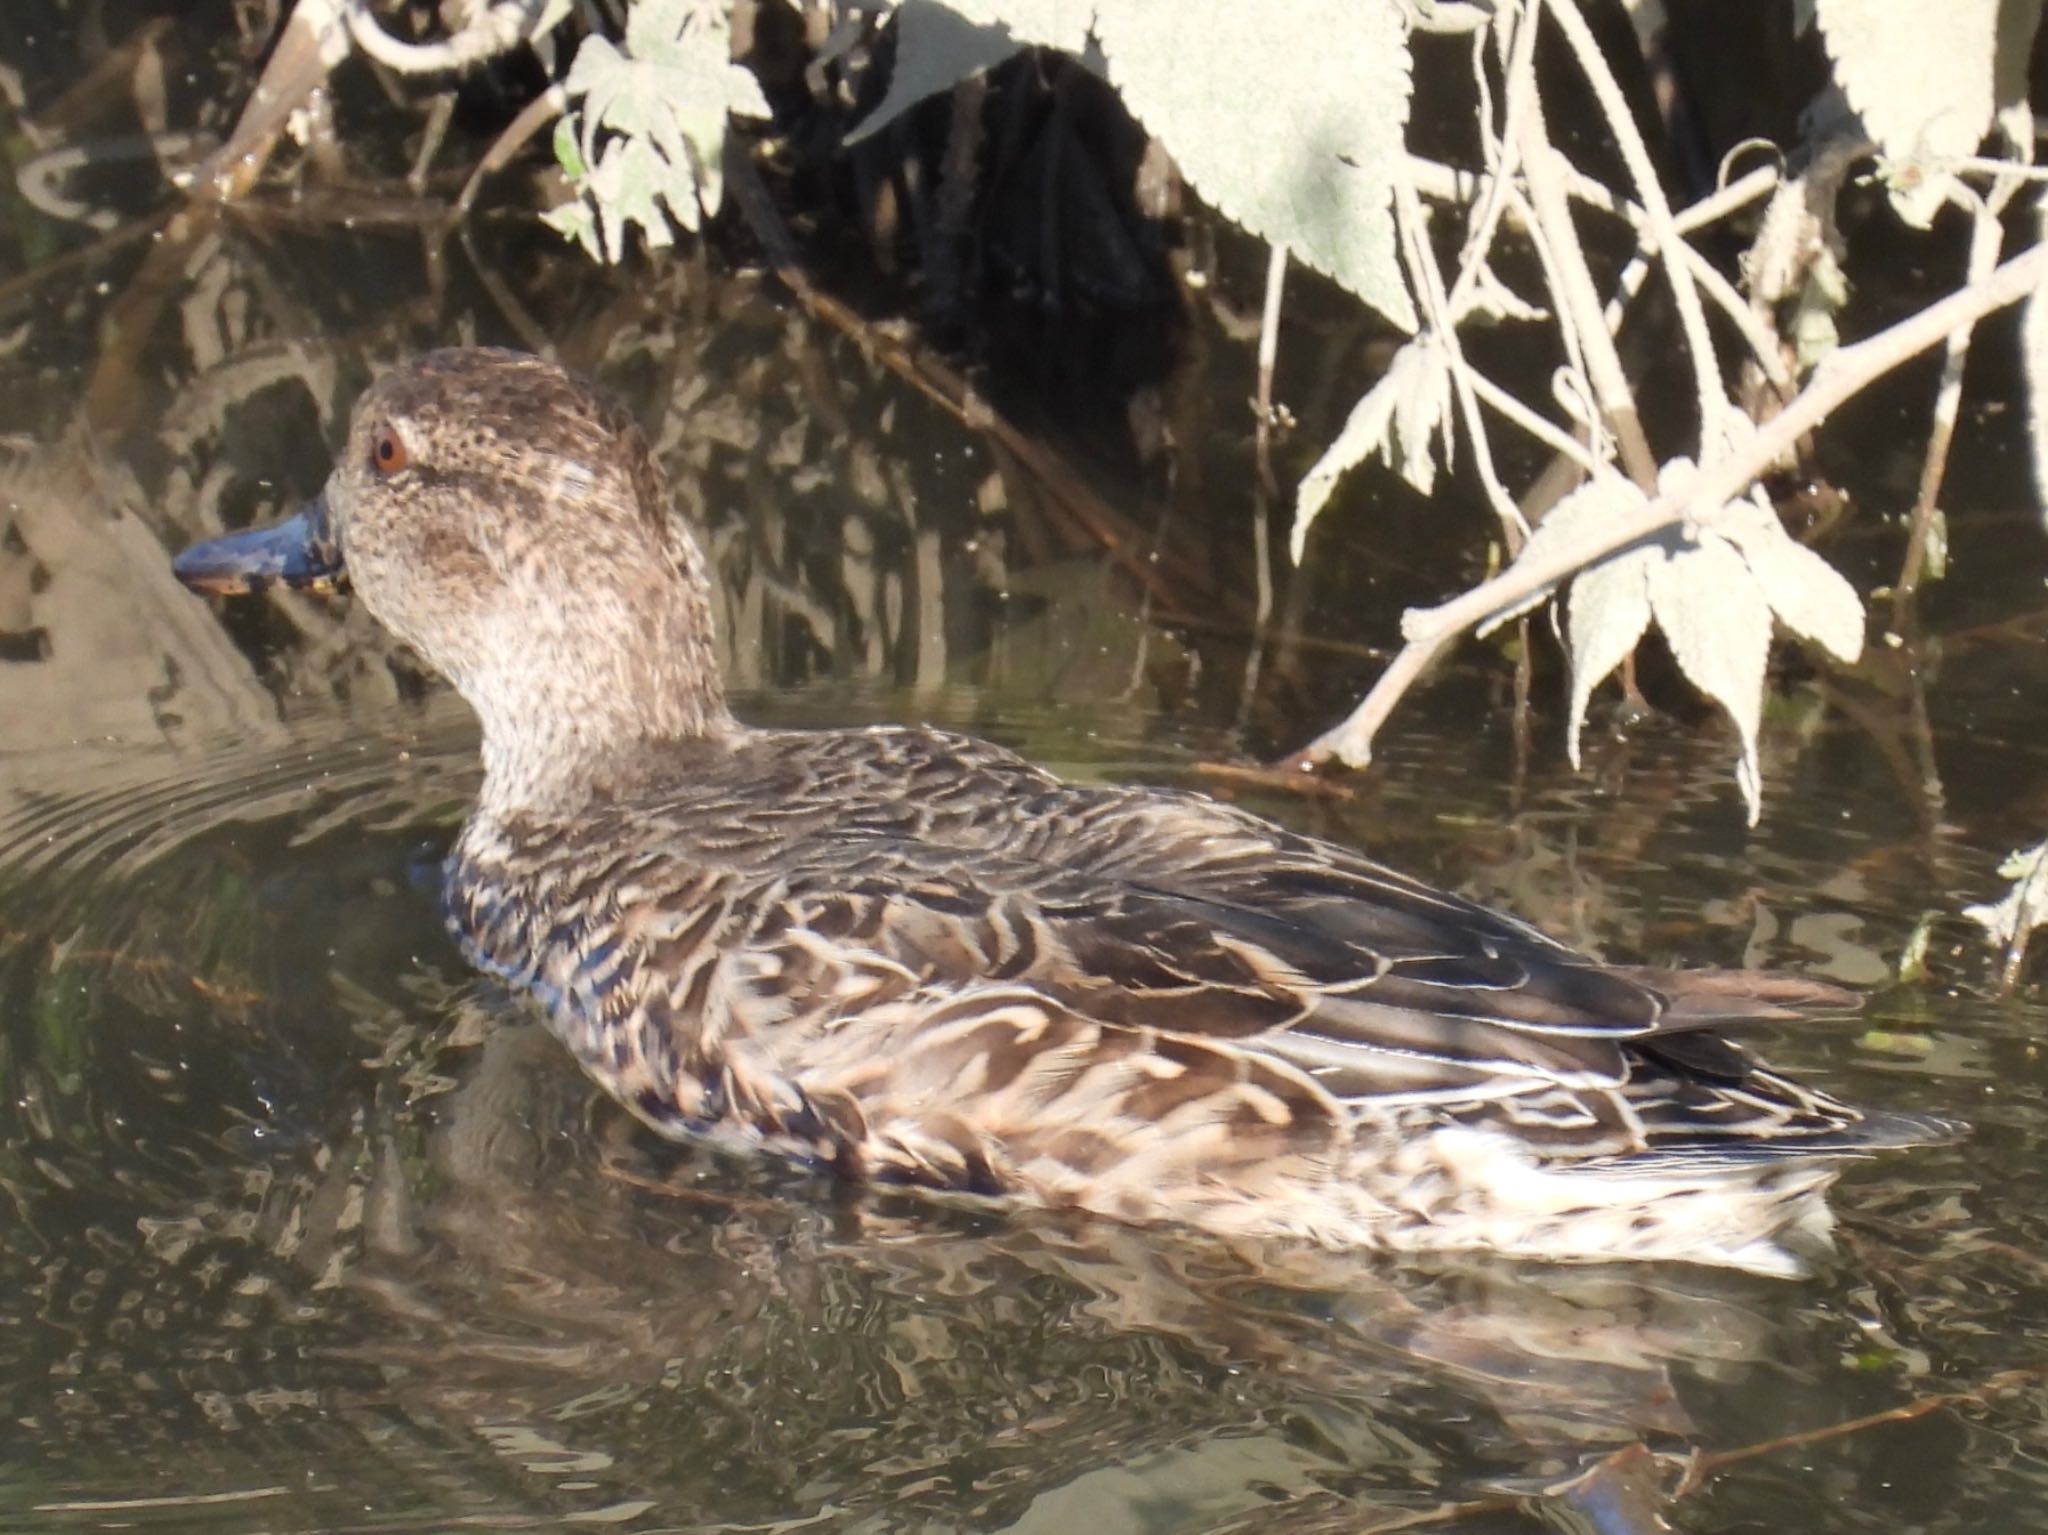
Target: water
<point>305,1228</point>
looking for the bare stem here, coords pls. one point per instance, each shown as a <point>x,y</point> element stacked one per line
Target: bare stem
<point>1713,399</point>
<point>496,30</point>
<point>1521,89</point>
<point>1265,487</point>
<point>1571,281</point>
<point>1429,281</point>
<point>1986,234</point>
<point>1550,436</point>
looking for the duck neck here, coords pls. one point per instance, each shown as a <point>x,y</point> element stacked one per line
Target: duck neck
<point>570,702</point>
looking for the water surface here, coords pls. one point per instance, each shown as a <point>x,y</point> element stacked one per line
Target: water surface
<point>305,1228</point>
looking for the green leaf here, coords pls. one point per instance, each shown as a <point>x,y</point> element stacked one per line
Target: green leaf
<point>568,153</point>
<point>1290,121</point>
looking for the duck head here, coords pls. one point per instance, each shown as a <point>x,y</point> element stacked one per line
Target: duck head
<point>506,520</point>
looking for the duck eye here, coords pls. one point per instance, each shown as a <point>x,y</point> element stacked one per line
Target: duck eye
<point>387,453</point>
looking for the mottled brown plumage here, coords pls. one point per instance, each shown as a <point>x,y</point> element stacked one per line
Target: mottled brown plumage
<point>917,959</point>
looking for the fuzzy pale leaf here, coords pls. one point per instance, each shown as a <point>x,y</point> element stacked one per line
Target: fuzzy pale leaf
<point>1920,75</point>
<point>1062,24</point>
<point>936,48</point>
<point>1808,595</point>
<point>1291,123</point>
<point>939,43</point>
<point>1397,419</point>
<point>1608,610</point>
<point>2025,906</point>
<point>1713,614</point>
<point>2012,919</point>
<point>1576,517</point>
<point>1609,603</point>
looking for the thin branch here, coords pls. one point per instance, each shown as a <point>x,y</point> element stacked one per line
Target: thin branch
<point>1429,281</point>
<point>1269,356</point>
<point>1692,319</point>
<point>1715,206</point>
<point>1579,301</point>
<point>1521,89</point>
<point>1986,235</point>
<point>1550,436</point>
<point>534,116</point>
<point>1842,376</point>
<point>1265,487</point>
<point>1763,345</point>
<point>497,30</point>
<point>1769,353</point>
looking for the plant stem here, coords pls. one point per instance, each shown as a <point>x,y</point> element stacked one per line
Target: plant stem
<point>1986,234</point>
<point>1572,283</point>
<point>1713,399</point>
<point>1429,283</point>
<point>1520,91</point>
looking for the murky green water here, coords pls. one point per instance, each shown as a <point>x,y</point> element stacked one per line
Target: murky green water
<point>304,1228</point>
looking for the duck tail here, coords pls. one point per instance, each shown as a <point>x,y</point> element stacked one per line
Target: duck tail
<point>1703,998</point>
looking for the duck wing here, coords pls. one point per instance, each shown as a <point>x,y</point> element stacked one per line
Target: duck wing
<point>851,876</point>
<point>1379,1006</point>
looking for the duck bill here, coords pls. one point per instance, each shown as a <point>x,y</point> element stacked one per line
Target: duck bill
<point>299,552</point>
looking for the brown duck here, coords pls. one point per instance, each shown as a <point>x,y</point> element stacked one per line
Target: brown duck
<point>917,959</point>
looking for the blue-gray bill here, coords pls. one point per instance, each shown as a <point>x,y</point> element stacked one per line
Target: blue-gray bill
<point>299,552</point>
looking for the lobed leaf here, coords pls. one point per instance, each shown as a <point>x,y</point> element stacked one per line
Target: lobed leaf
<point>648,143</point>
<point>1398,419</point>
<point>1808,595</point>
<point>1714,615</point>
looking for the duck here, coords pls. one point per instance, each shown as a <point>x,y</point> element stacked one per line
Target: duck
<point>912,958</point>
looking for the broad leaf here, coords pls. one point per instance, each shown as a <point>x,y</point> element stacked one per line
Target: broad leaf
<point>1713,613</point>
<point>936,48</point>
<point>1575,518</point>
<point>1609,603</point>
<point>1609,609</point>
<point>1920,75</point>
<point>939,43</point>
<point>1062,24</point>
<point>1290,121</point>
